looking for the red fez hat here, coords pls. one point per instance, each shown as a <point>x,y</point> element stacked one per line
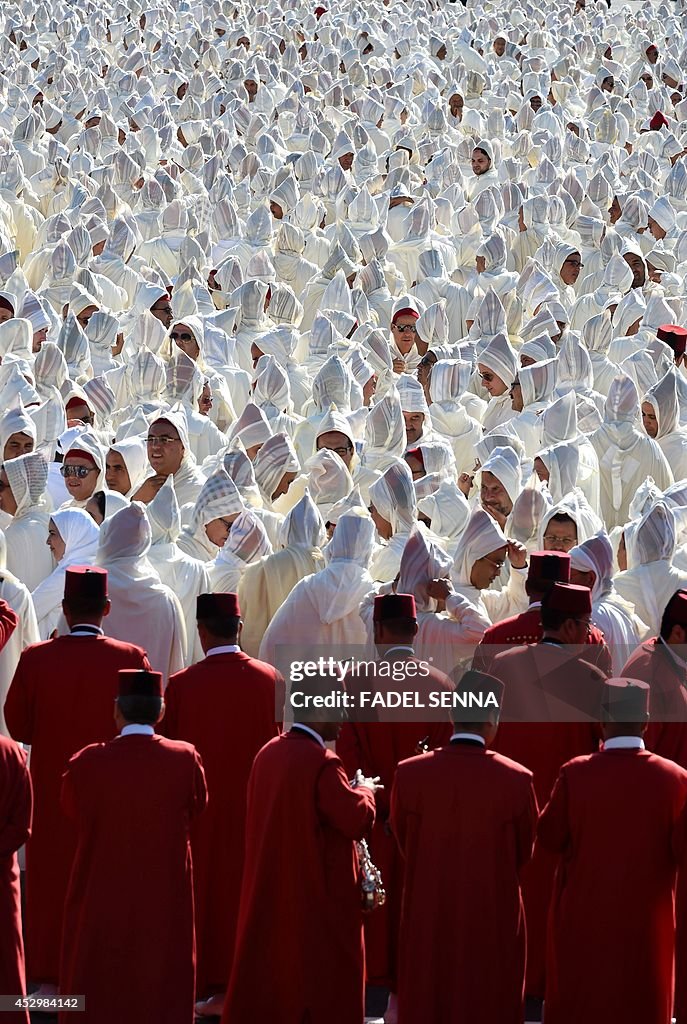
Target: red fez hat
<point>625,700</point>
<point>549,567</point>
<point>405,312</point>
<point>76,401</point>
<point>138,682</point>
<point>79,453</point>
<point>676,609</point>
<point>674,336</point>
<point>210,606</point>
<point>569,599</point>
<point>85,583</point>
<point>394,606</point>
<point>480,683</point>
<point>658,121</point>
<point>319,11</point>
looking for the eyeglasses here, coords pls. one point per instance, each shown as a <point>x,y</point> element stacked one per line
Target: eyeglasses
<point>404,328</point>
<point>574,263</point>
<point>166,307</point>
<point>570,541</point>
<point>181,337</point>
<point>584,622</point>
<point>80,472</point>
<point>497,565</point>
<point>163,439</point>
<point>488,377</point>
<point>341,452</point>
<point>227,522</point>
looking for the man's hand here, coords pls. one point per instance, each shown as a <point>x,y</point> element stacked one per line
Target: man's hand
<point>149,488</point>
<point>399,365</point>
<point>465,482</point>
<point>439,589</point>
<point>496,512</point>
<point>361,780</point>
<point>517,554</point>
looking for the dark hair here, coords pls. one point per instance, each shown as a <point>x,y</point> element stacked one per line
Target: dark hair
<point>480,150</point>
<point>400,629</point>
<point>562,517</point>
<point>224,627</point>
<point>85,607</point>
<point>140,710</point>
<point>668,619</point>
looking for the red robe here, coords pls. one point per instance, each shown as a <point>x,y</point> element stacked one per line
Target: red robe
<point>61,699</point>
<point>299,943</point>
<point>128,941</point>
<point>464,819</point>
<point>15,828</point>
<point>612,821</point>
<point>376,748</point>
<point>9,621</point>
<point>543,746</point>
<point>526,628</point>
<point>225,706</point>
<point>667,731</point>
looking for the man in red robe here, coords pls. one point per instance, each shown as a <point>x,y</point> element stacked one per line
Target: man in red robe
<point>550,714</point>
<point>299,953</point>
<point>128,942</point>
<point>227,693</point>
<point>545,569</point>
<point>660,662</point>
<point>612,821</point>
<point>15,829</point>
<point>464,818</point>
<point>375,741</point>
<point>59,701</point>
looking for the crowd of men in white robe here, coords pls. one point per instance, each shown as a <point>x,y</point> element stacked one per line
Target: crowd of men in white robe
<point>311,302</point>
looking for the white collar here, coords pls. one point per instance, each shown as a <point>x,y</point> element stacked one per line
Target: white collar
<point>625,743</point>
<point>310,732</point>
<point>223,649</point>
<point>469,736</point>
<point>137,730</point>
<point>86,629</point>
<point>533,604</point>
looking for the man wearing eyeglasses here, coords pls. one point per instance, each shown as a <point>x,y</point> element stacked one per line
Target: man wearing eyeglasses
<point>550,711</point>
<point>404,337</point>
<point>169,455</point>
<point>337,441</point>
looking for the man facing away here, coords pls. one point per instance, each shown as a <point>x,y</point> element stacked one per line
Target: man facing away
<point>227,706</point>
<point>300,909</point>
<point>464,818</point>
<point>61,699</point>
<point>612,822</point>
<point>128,939</point>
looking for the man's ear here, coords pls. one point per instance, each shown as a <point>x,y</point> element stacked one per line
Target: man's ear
<point>107,608</point>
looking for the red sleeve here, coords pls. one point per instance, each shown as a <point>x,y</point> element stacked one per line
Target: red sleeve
<point>17,801</point>
<point>349,749</point>
<point>169,726</point>
<point>145,664</point>
<point>200,789</point>
<point>68,800</point>
<point>19,705</point>
<point>279,700</point>
<point>553,830</point>
<point>349,811</point>
<point>526,826</point>
<point>9,621</point>
<point>397,816</point>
